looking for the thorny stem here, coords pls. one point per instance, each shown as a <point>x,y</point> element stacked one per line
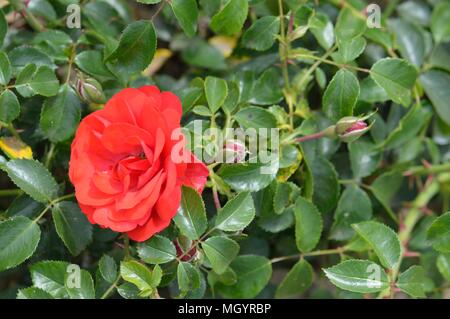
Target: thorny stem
<point>18,5</point>
<point>423,170</point>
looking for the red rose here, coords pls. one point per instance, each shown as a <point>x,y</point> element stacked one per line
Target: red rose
<point>122,166</point>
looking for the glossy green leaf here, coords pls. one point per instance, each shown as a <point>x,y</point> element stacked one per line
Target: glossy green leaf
<point>385,187</point>
<point>108,268</point>
<point>33,293</point>
<point>255,117</point>
<point>3,27</point>
<point>439,233</point>
<point>326,186</point>
<point>237,213</point>
<point>360,276</point>
<point>72,226</point>
<point>33,178</point>
<point>216,91</point>
<point>136,48</point>
<point>349,25</point>
<point>308,225</point>
<point>411,281</point>
<point>9,106</point>
<point>341,95</point>
<point>383,240</point>
<point>19,238</point>
<point>5,66</point>
<point>297,280</point>
<point>82,287</point>
<point>50,277</point>
<point>191,216</point>
<point>253,274</point>
<point>186,12</point>
<point>354,206</point>
<point>188,277</point>
<point>437,86</point>
<point>443,265</point>
<point>220,251</point>
<point>364,158</point>
<point>248,177</point>
<point>439,21</point>
<point>230,19</point>
<point>262,34</point>
<point>323,30</point>
<point>157,250</point>
<point>37,80</point>
<point>396,77</point>
<point>60,115</point>
<point>136,273</point>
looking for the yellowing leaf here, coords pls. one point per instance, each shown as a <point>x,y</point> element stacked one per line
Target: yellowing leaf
<point>161,56</point>
<point>224,44</point>
<point>15,148</point>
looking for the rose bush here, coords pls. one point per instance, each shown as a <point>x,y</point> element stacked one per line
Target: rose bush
<point>224,149</point>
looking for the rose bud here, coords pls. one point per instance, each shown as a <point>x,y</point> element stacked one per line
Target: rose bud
<point>90,90</point>
<point>234,151</point>
<point>185,254</point>
<point>354,131</point>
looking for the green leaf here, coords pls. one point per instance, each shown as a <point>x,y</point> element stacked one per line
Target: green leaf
<point>253,274</point>
<point>82,287</point>
<point>230,19</point>
<point>383,240</point>
<point>371,92</point>
<point>136,273</point>
<point>255,117</point>
<point>326,185</point>
<point>437,86</point>
<point>9,106</point>
<point>216,91</point>
<point>60,115</point>
<point>297,280</point>
<point>5,65</point>
<point>341,95</point>
<point>385,187</point>
<point>91,62</point>
<point>19,238</point>
<point>408,127</point>
<point>248,177</point>
<point>349,50</point>
<point>264,92</point>
<point>22,56</point>
<point>322,29</point>
<point>201,54</point>
<point>414,11</point>
<point>396,77</point>
<point>262,34</point>
<point>412,281</point>
<point>33,293</point>
<point>108,268</point>
<point>136,48</point>
<point>220,251</point>
<point>50,277</point>
<point>186,12</point>
<point>308,225</point>
<point>360,276</point>
<point>364,158</point>
<point>72,226</point>
<point>439,22</point>
<point>349,26</point>
<point>354,206</point>
<point>3,27</point>
<point>33,178</point>
<point>410,40</point>
<point>439,233</point>
<point>188,277</point>
<point>191,216</point>
<point>149,1</point>
<point>237,213</point>
<point>37,80</point>
<point>443,265</point>
<point>157,250</point>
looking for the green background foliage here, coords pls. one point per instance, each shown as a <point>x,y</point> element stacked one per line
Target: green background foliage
<point>326,217</point>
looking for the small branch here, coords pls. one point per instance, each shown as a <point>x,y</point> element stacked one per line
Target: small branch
<point>314,136</point>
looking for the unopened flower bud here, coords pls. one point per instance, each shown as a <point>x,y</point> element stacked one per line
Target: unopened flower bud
<point>234,151</point>
<point>354,132</point>
<point>90,90</point>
